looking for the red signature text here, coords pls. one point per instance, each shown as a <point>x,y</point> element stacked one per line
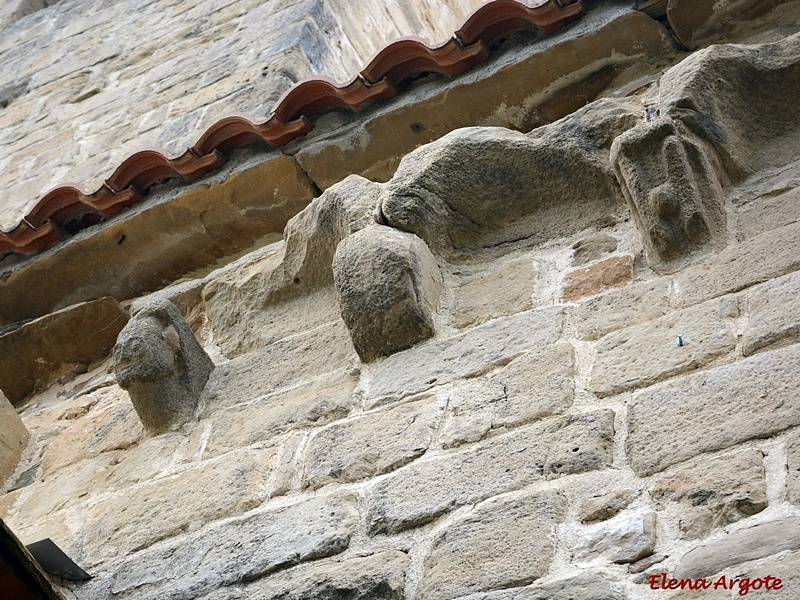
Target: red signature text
<point>660,581</point>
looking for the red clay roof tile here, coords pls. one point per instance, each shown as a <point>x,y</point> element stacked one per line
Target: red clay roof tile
<point>148,167</point>
<point>23,238</point>
<point>313,96</point>
<point>403,58</point>
<point>499,19</point>
<point>236,131</point>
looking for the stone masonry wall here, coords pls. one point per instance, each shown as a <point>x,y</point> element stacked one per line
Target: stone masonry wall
<point>85,83</point>
<point>605,390</point>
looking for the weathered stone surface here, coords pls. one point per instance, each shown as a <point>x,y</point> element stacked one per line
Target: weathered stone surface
<point>287,465</point>
<point>756,260</point>
<point>283,364</point>
<point>644,564</point>
<point>372,444</point>
<point>471,409</point>
<point>611,273</point>
<point>8,503</point>
<point>14,10</point>
<point>240,322</point>
<point>73,489</point>
<point>147,460</point>
<point>65,489</point>
<point>517,189</point>
<point>793,473</point>
<point>38,352</point>
<point>65,535</point>
<point>166,507</point>
<point>532,386</point>
<point>159,362</point>
<point>13,438</point>
<point>645,354</point>
<point>57,507</point>
<point>388,285</point>
<point>774,313</point>
<point>505,290</point>
<point>787,569</point>
<point>716,492</point>
<point>624,539</point>
<point>503,543</point>
<point>750,543</point>
<point>673,192</point>
<point>240,550</point>
<point>472,352</point>
<point>600,508</point>
<point>732,97</point>
<point>592,248</point>
<point>426,489</point>
<point>590,586</point>
<point>753,398</point>
<point>109,424</point>
<point>541,83</point>
<point>698,22</point>
<point>771,209</point>
<point>635,304</point>
<point>159,241</point>
<point>317,402</point>
<point>377,577</point>
<point>257,305</point>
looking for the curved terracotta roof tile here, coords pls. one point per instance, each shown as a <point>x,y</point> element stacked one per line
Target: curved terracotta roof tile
<point>398,61</point>
<point>499,19</point>
<point>23,238</point>
<point>63,200</point>
<point>108,202</point>
<point>68,208</point>
<point>312,96</point>
<point>146,168</point>
<point>236,131</point>
<point>69,203</point>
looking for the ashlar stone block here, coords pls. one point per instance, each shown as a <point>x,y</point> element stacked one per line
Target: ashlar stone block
<point>548,449</point>
<point>774,313</point>
<point>787,568</point>
<point>504,543</point>
<point>600,508</point>
<point>40,351</point>
<point>140,516</point>
<point>759,259</point>
<point>586,586</point>
<point>624,539</point>
<point>753,398</point>
<point>380,576</point>
<point>642,355</point>
<point>750,543</point>
<point>470,353</point>
<point>534,385</point>
<point>614,272</point>
<point>244,549</point>
<point>638,303</point>
<point>505,290</point>
<point>716,492</point>
<point>370,445</point>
